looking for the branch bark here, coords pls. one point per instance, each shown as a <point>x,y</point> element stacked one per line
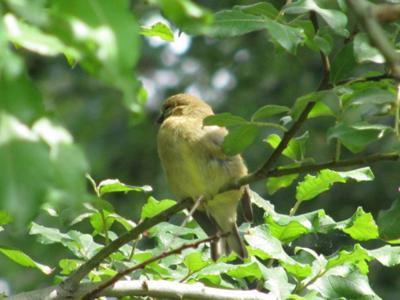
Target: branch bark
<point>152,288</point>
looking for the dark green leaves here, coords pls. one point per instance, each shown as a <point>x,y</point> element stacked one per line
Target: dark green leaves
<point>244,19</point>
<point>269,111</point>
<point>356,137</point>
<point>239,139</point>
<point>224,120</point>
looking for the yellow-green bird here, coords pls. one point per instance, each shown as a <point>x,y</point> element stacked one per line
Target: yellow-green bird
<point>196,166</point>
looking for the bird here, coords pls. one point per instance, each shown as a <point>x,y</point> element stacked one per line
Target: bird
<point>196,166</point>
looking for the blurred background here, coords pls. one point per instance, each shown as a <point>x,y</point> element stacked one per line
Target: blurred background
<point>236,75</point>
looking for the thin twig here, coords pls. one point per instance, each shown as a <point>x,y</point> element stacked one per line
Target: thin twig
<point>121,274</point>
<point>335,165</point>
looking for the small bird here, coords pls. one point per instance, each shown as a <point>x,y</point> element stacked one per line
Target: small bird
<point>196,166</point>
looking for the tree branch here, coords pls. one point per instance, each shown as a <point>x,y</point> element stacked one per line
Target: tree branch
<point>386,12</point>
<point>377,35</point>
<point>151,288</point>
<point>334,165</point>
<point>92,294</point>
<point>72,282</point>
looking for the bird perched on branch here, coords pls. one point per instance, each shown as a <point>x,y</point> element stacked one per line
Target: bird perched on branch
<point>196,167</point>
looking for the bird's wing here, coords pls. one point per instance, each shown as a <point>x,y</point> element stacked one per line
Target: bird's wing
<point>213,139</point>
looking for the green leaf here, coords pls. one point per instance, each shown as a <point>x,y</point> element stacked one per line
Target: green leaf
<point>160,30</point>
<point>229,23</point>
<point>319,109</point>
<point>269,111</point>
<point>250,270</point>
<point>69,265</point>
<point>286,36</point>
<point>262,203</point>
<point>362,226</point>
<point>265,9</point>
<point>33,39</point>
<point>274,184</point>
<point>276,281</point>
<point>154,207</point>
<point>106,35</point>
<point>312,186</point>
<point>295,149</point>
<point>23,259</point>
<point>357,257</point>
<point>239,138</point>
<point>387,255</point>
<point>334,18</point>
<point>357,136</point>
<point>224,119</point>
<point>288,232</point>
<point>49,235</point>
<point>364,52</point>
<point>114,185</point>
<point>263,244</point>
<point>194,261</point>
<point>361,174</point>
<point>26,170</point>
<point>389,222</point>
<point>185,14</point>
<point>343,64</point>
<point>5,217</point>
<point>345,285</point>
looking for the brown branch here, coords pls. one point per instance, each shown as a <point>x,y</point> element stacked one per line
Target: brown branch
<point>72,282</point>
<point>377,35</point>
<point>386,12</point>
<point>365,79</point>
<point>92,294</point>
<point>334,165</point>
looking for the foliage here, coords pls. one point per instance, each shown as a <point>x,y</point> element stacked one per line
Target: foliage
<point>43,168</point>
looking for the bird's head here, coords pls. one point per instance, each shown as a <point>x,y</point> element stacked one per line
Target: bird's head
<point>184,105</point>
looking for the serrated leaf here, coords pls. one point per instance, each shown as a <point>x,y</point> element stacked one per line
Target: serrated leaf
<point>269,111</point>
<point>274,184</point>
<point>224,119</point>
<point>388,256</point>
<point>362,226</point>
<point>154,207</point>
<point>159,30</point>
<point>288,232</point>
<point>312,186</point>
<point>23,259</point>
<point>356,137</point>
<point>114,185</point>
<point>357,257</point>
<point>194,261</point>
<point>361,174</point>
<point>239,138</point>
<point>250,270</point>
<point>351,285</point>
